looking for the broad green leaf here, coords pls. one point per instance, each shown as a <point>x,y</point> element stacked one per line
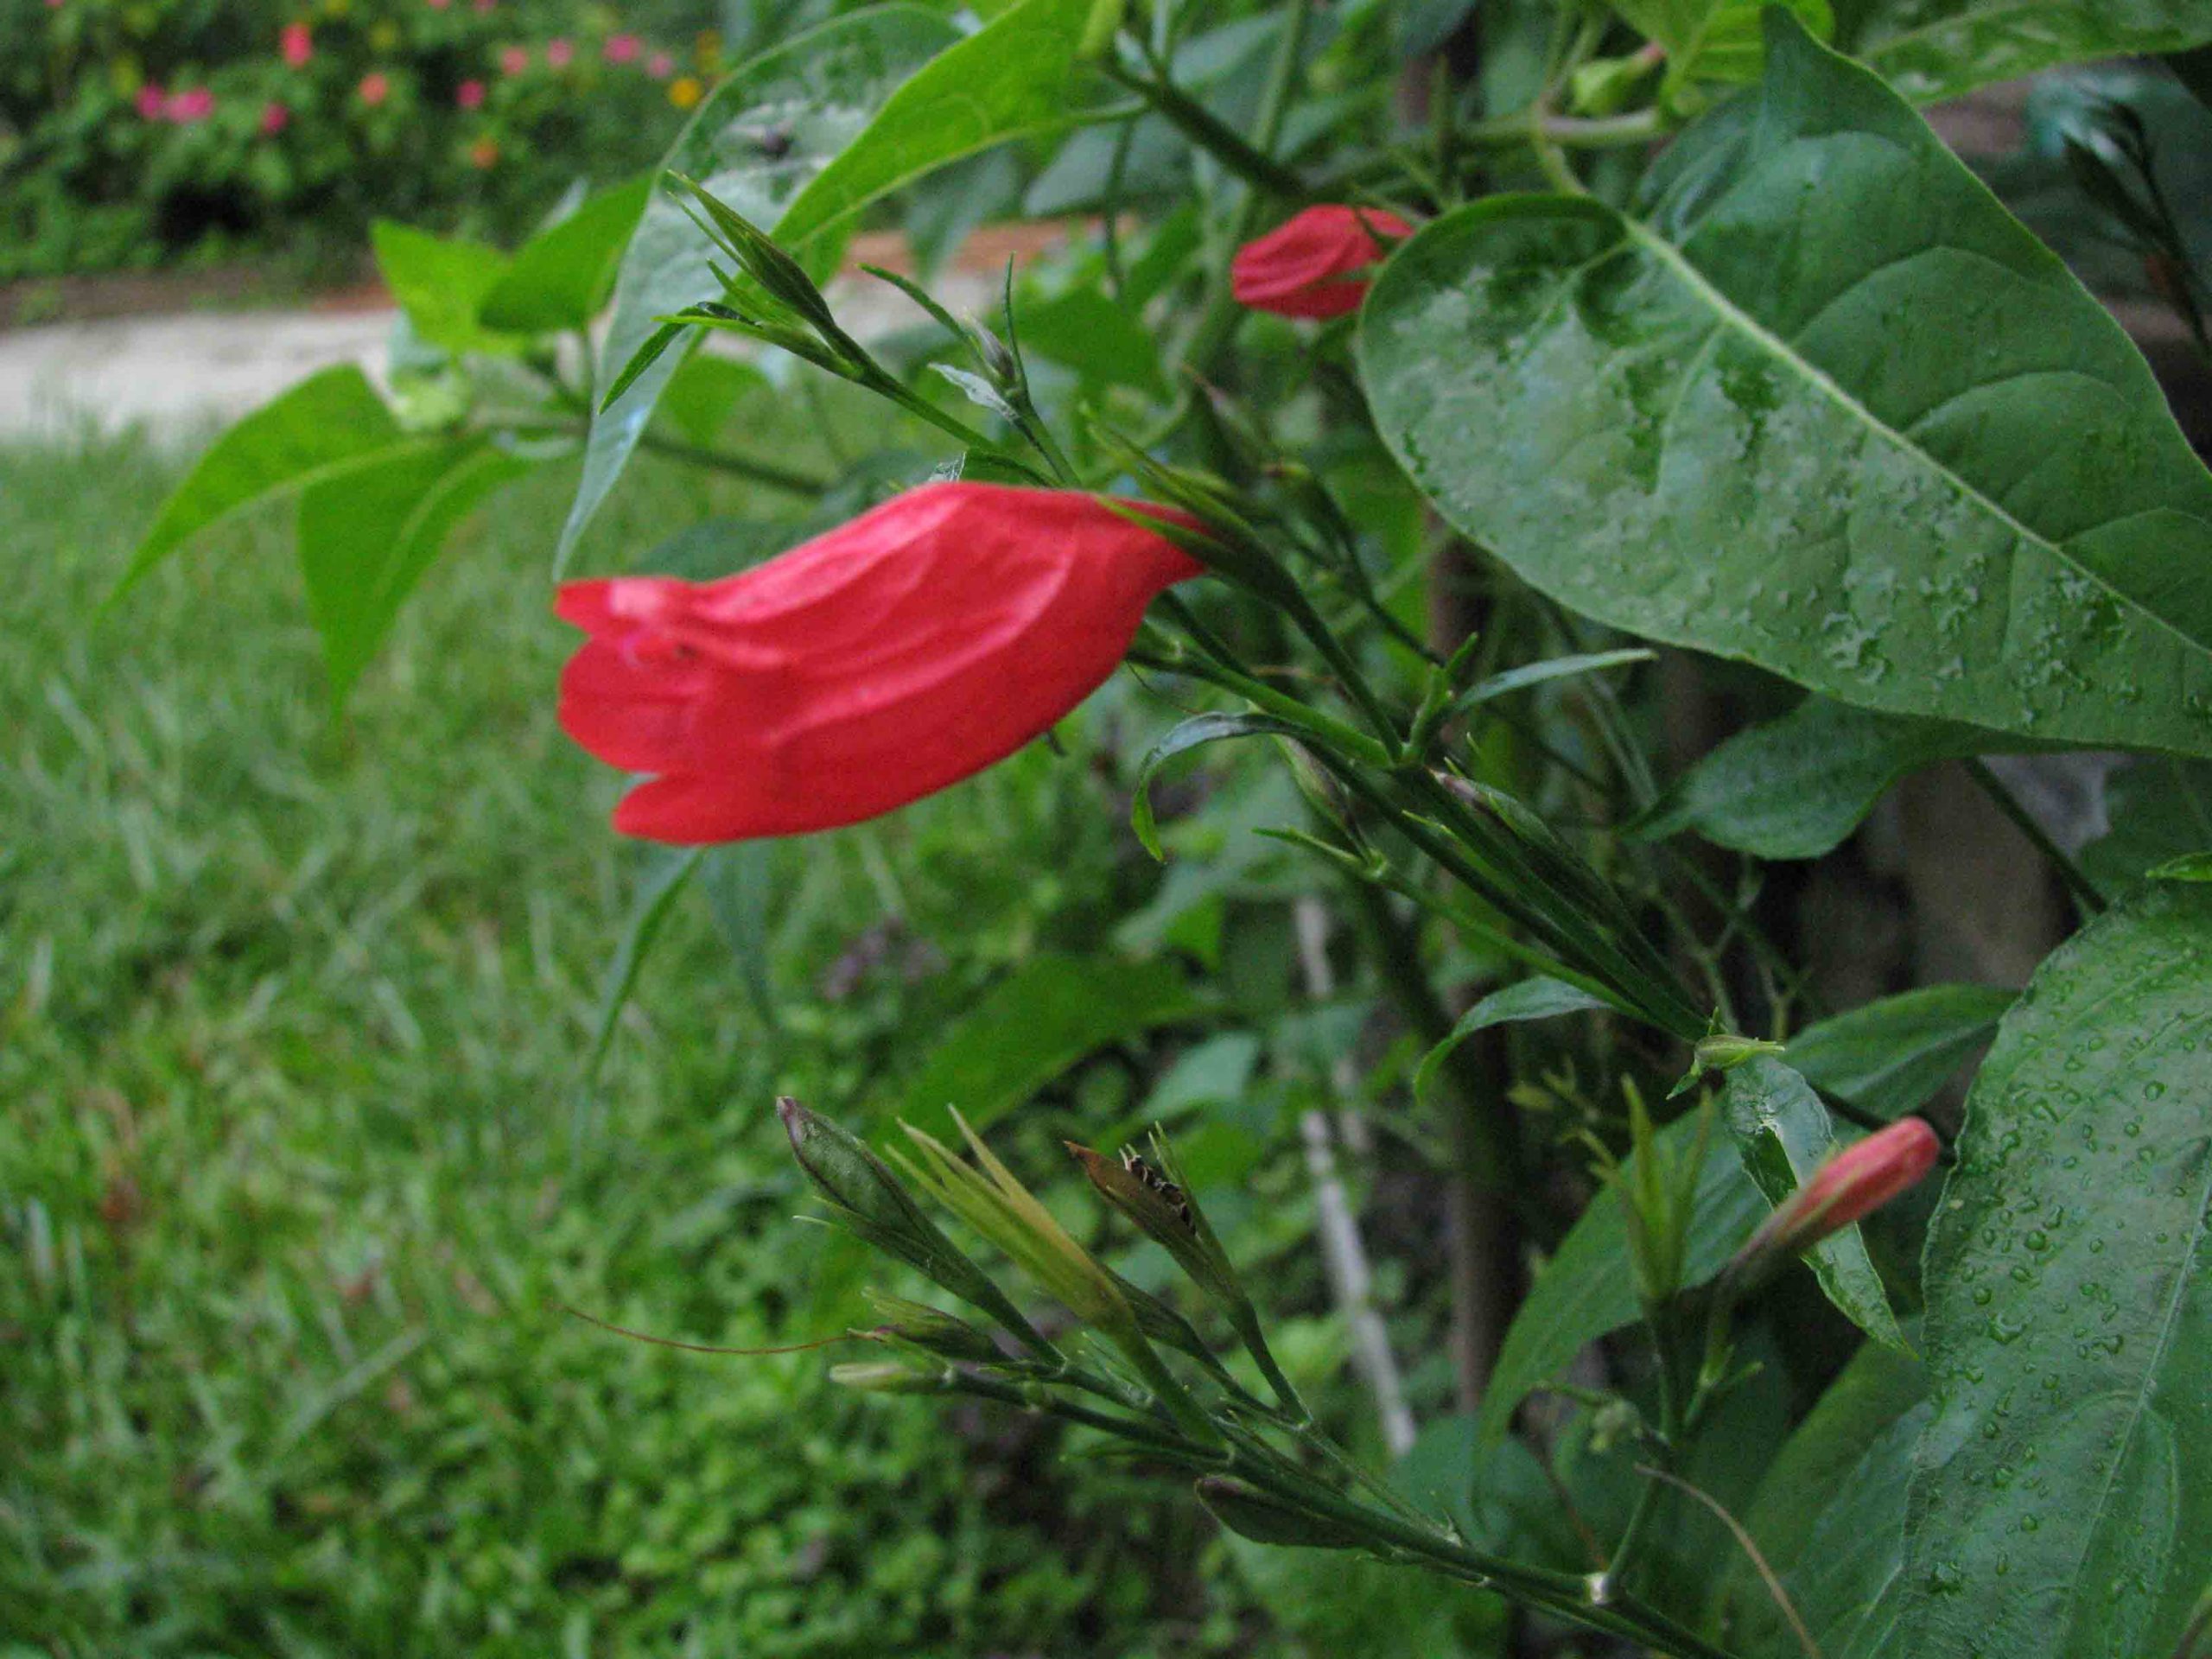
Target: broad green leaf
<point>1783,1134</point>
<point>367,536</point>
<point>2061,1502</point>
<point>1092,335</point>
<point>1822,404</point>
<point>754,143</point>
<point>1529,999</point>
<point>1889,1058</point>
<point>1587,1290</point>
<point>440,283</point>
<point>1829,1517</point>
<point>561,276</point>
<point>327,423</point>
<point>2160,810</point>
<point>1715,40</point>
<point>1052,1012</point>
<point>1190,734</point>
<point>1018,75</point>
<point>1930,49</point>
<point>1797,786</point>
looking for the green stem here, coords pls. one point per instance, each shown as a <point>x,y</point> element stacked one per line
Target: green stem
<point>745,467</point>
<point>2084,890</point>
<point>1250,162</point>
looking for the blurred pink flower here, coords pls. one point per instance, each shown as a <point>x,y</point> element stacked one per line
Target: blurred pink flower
<point>514,60</point>
<point>187,107</point>
<point>621,48</point>
<point>660,66</point>
<point>560,53</point>
<point>469,95</point>
<point>151,103</point>
<point>275,117</point>
<point>376,86</point>
<point>298,45</point>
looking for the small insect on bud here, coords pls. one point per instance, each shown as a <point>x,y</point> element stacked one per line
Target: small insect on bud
<point>1266,1519</point>
<point>1856,1181</point>
<point>1164,1213</point>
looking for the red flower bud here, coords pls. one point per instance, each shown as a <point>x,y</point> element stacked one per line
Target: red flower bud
<point>1857,1180</point>
<point>925,640</point>
<point>1304,269</point>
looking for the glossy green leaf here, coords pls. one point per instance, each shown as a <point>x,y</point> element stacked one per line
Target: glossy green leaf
<point>1715,40</point>
<point>1586,1290</point>
<point>1889,1058</point>
<point>1829,1517</point>
<point>327,423</point>
<point>1095,337</point>
<point>2160,809</point>
<point>1533,673</point>
<point>1190,734</point>
<point>754,143</point>
<point>1783,1134</point>
<point>367,536</point>
<point>1050,1012</point>
<point>1932,49</point>
<point>1018,75</point>
<point>1797,786</point>
<point>440,283</point>
<point>561,276</point>
<point>1821,404</point>
<point>1527,999</point>
<point>2061,1502</point>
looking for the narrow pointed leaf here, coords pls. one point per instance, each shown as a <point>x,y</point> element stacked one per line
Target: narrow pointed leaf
<point>1190,734</point>
<point>561,276</point>
<point>1931,49</point>
<point>1889,1058</point>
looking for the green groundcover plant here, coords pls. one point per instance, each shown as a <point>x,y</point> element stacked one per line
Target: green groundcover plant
<point>1426,396</point>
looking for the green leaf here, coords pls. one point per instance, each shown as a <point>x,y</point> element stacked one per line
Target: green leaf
<point>561,278</point>
<point>1586,1290</point>
<point>1096,338</point>
<point>1797,786</point>
<point>2161,810</point>
<point>1050,1012</point>
<point>704,391</point>
<point>441,284</point>
<point>1715,40</point>
<point>1931,49</point>
<point>1829,1517</point>
<point>1889,1058</point>
<point>1018,75</point>
<point>2061,1502</point>
<point>328,422</point>
<point>1783,1134</point>
<point>754,143</point>
<point>367,535</point>
<point>1554,668</point>
<point>661,881</point>
<point>1529,999</point>
<point>1191,733</point>
<point>1825,406</point>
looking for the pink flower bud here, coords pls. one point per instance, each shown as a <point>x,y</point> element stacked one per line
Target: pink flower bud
<point>297,45</point>
<point>1311,266</point>
<point>514,61</point>
<point>151,102</point>
<point>560,53</point>
<point>275,117</point>
<point>376,86</point>
<point>1854,1182</point>
<point>469,95</point>
<point>660,66</point>
<point>621,48</point>
<point>185,108</point>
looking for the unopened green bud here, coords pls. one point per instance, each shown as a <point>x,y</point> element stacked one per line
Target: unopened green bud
<point>1266,1519</point>
<point>851,1176</point>
<point>885,1376</point>
<point>931,1328</point>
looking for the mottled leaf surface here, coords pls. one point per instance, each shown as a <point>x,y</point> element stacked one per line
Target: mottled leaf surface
<point>1938,48</point>
<point>1821,403</point>
<point>2060,1504</point>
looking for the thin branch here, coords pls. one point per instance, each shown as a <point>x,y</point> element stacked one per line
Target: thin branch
<point>1758,1560</point>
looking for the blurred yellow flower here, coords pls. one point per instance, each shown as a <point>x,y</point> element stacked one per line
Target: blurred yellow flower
<point>685,91</point>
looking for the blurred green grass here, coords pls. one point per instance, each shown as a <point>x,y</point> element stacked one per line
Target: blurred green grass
<point>291,1019</point>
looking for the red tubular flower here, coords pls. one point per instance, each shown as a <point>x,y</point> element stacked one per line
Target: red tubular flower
<point>1857,1180</point>
<point>1304,269</point>
<point>925,640</point>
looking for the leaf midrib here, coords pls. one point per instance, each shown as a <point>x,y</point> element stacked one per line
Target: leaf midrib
<point>1731,313</point>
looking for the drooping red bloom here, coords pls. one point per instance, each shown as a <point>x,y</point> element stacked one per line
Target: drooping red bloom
<point>1305,268</point>
<point>1854,1183</point>
<point>898,654</point>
